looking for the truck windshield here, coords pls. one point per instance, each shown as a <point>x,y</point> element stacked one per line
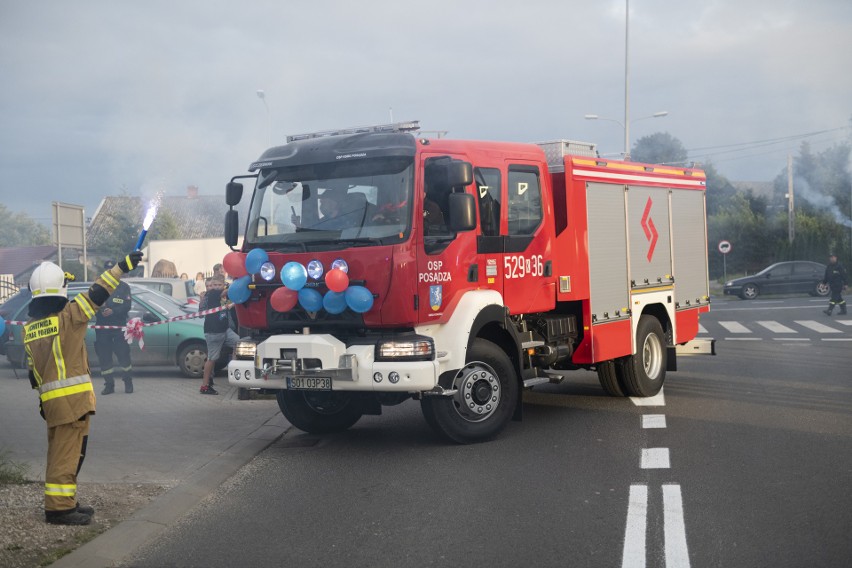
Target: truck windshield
<point>356,202</point>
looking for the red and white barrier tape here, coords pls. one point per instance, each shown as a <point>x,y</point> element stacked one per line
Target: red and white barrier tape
<point>134,328</point>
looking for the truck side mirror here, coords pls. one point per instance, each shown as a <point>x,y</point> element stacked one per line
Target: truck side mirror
<point>459,174</point>
<point>233,193</point>
<point>462,212</point>
<point>232,226</point>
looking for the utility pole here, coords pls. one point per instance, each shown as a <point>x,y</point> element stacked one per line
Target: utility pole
<point>791,211</point>
<point>626,80</point>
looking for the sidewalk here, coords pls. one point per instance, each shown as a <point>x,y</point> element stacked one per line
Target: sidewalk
<point>165,432</point>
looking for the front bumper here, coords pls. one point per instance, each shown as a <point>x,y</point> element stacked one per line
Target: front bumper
<point>351,368</point>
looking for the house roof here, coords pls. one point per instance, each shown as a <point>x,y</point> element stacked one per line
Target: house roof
<point>21,261</point>
<point>196,216</point>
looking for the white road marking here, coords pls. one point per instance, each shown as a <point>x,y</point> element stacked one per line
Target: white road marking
<point>702,329</point>
<point>633,555</point>
<point>743,339</point>
<point>734,327</point>
<point>653,421</point>
<point>677,555</point>
<point>841,322</point>
<point>776,327</point>
<point>657,400</point>
<point>655,458</point>
<point>818,327</point>
<point>837,338</point>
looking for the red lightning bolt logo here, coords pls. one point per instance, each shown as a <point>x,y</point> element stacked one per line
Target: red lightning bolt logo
<point>650,230</point>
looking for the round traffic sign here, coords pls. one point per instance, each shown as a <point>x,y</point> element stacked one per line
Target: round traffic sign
<point>724,247</point>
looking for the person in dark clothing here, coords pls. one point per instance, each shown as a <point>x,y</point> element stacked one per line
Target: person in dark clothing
<point>835,277</point>
<point>109,342</point>
<point>217,328</point>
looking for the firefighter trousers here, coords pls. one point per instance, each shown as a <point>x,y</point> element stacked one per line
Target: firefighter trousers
<point>109,342</point>
<point>66,450</point>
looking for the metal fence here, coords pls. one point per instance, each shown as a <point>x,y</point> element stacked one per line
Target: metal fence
<point>8,288</point>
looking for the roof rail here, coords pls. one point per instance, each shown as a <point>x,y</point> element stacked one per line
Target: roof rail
<point>408,126</point>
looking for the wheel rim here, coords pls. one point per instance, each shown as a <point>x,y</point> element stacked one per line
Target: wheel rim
<point>750,292</point>
<point>652,356</point>
<point>479,392</point>
<point>194,361</point>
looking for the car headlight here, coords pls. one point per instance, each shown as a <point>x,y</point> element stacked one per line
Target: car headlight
<point>418,348</point>
<point>729,283</point>
<point>245,350</point>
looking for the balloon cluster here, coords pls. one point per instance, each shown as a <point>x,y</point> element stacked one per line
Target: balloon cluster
<point>294,276</point>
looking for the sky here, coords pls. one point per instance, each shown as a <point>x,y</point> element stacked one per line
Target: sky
<point>112,97</point>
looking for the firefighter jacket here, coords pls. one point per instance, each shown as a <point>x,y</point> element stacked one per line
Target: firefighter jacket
<point>56,349</point>
<point>835,276</point>
<point>119,302</point>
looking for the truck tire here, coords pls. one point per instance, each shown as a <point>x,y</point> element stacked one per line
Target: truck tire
<point>487,394</point>
<point>609,375</point>
<point>319,412</point>
<point>644,373</point>
<point>191,358</point>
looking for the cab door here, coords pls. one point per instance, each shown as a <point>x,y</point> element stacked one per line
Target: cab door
<point>527,227</point>
<point>446,260</point>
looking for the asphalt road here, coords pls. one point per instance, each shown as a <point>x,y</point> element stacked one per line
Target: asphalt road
<point>744,461</point>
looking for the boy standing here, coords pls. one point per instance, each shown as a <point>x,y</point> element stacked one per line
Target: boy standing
<point>217,328</point>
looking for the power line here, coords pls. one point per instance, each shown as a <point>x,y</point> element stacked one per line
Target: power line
<point>770,141</point>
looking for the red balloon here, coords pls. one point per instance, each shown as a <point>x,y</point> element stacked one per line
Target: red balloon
<point>235,264</point>
<point>337,280</point>
<point>283,299</point>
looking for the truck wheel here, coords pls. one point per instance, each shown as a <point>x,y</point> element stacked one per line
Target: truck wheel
<point>191,359</point>
<point>750,292</point>
<point>487,394</point>
<point>319,412</point>
<point>609,377</point>
<point>643,374</point>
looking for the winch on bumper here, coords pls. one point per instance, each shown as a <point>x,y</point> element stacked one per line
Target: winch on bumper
<point>323,362</point>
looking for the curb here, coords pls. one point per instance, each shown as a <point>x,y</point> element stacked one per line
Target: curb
<point>146,524</point>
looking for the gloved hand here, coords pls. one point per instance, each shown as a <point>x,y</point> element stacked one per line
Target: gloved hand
<point>130,261</point>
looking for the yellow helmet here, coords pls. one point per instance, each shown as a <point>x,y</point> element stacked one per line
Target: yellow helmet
<point>48,280</point>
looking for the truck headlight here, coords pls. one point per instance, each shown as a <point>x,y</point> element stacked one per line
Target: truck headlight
<point>267,271</point>
<point>418,348</point>
<point>245,350</point>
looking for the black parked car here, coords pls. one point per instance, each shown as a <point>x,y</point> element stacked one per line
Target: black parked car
<point>798,276</point>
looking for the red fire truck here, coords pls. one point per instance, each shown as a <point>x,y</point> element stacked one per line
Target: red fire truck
<point>385,267</point>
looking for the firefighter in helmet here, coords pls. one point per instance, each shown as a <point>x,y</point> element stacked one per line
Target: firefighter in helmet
<point>54,339</point>
<point>109,342</point>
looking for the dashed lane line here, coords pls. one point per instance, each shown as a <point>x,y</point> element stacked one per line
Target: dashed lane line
<point>655,458</point>
<point>633,554</point>
<point>674,532</point>
<point>653,421</point>
<point>658,399</point>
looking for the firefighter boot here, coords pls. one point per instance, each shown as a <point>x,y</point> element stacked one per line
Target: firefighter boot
<point>128,386</point>
<point>72,517</point>
<point>109,386</point>
<point>843,309</point>
<point>86,510</point>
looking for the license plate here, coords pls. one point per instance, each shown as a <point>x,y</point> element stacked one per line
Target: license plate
<point>309,383</point>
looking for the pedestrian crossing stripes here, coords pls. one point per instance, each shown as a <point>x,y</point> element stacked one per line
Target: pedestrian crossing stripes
<point>833,330</point>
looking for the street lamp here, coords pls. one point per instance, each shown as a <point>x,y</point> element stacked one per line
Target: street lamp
<point>626,126</point>
<point>262,96</point>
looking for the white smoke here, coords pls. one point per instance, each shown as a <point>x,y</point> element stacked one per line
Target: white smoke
<point>803,190</point>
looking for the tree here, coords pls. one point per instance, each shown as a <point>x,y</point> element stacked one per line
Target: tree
<point>659,148</point>
<point>21,230</point>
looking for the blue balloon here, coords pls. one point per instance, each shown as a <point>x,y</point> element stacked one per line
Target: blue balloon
<point>294,276</point>
<point>310,299</point>
<point>2,326</point>
<point>254,259</point>
<point>238,291</point>
<point>334,302</point>
<point>359,299</point>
